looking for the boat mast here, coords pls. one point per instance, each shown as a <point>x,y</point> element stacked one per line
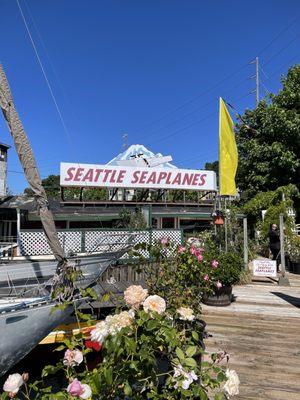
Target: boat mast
<point>29,165</point>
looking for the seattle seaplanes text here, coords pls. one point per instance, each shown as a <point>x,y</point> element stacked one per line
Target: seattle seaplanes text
<point>92,175</point>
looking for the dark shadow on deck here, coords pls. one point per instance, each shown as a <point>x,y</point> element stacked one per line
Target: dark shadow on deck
<point>294,301</point>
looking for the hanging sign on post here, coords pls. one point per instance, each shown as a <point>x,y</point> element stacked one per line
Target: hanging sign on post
<point>264,267</point>
<point>91,175</point>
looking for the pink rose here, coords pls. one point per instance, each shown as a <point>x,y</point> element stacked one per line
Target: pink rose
<point>78,389</point>
<point>219,285</point>
<point>75,388</point>
<point>164,241</point>
<point>73,357</point>
<point>193,250</point>
<point>200,257</point>
<point>206,277</point>
<point>181,249</point>
<point>214,263</point>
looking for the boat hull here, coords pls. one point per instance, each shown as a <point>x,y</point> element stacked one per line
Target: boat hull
<point>22,329</point>
<point>30,278</point>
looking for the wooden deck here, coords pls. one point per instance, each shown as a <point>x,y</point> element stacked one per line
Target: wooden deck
<point>261,332</point>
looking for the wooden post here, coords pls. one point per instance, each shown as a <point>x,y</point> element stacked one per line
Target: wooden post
<point>18,231</point>
<point>283,280</point>
<point>245,226</point>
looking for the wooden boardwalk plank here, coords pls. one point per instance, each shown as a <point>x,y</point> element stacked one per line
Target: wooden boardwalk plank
<point>261,332</point>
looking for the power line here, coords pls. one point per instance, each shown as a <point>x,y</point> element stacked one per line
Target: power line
<point>194,123</point>
<point>45,75</point>
<point>156,131</point>
<point>277,36</point>
<point>284,65</point>
<point>194,98</point>
<point>282,49</point>
<point>223,80</point>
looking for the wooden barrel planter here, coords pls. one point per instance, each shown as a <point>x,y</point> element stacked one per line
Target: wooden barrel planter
<point>221,298</point>
<point>296,267</point>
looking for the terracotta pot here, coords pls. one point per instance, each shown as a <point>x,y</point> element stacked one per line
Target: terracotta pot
<point>221,298</point>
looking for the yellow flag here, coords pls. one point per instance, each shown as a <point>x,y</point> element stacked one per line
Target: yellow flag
<point>228,155</point>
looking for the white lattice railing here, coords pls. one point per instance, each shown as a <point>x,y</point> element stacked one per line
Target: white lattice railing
<point>34,243</point>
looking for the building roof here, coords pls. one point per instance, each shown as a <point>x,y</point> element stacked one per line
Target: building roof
<point>7,146</point>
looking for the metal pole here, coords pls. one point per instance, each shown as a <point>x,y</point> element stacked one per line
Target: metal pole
<point>257,81</point>
<point>18,231</point>
<point>283,280</point>
<point>282,255</point>
<point>245,243</point>
<point>225,226</point>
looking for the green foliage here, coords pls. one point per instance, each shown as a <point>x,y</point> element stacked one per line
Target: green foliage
<point>130,220</point>
<point>185,274</point>
<point>139,361</point>
<point>51,185</point>
<point>268,140</point>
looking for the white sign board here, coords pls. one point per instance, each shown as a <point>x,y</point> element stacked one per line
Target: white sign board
<point>92,175</point>
<point>264,268</point>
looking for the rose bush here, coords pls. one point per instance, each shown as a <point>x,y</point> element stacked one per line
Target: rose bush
<point>151,352</point>
<point>184,274</point>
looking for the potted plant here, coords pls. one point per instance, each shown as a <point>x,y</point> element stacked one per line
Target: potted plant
<point>293,251</point>
<point>222,274</point>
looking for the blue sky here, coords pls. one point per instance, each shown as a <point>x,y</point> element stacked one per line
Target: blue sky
<point>151,69</point>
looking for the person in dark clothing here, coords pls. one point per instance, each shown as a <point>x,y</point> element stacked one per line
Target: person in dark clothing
<point>274,245</point>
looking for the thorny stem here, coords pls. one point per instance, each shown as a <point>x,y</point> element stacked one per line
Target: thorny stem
<point>81,339</point>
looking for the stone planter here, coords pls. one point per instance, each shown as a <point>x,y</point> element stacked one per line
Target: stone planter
<point>221,298</point>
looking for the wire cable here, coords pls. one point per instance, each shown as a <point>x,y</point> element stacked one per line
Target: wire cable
<point>68,135</point>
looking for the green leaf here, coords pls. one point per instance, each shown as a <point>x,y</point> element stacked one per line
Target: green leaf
<point>200,392</point>
<point>180,353</point>
<point>190,362</point>
<point>60,348</point>
<point>127,389</point>
<point>195,335</point>
<point>108,376</point>
<point>105,297</point>
<point>191,351</point>
<point>221,377</point>
<point>219,396</point>
<point>151,325</point>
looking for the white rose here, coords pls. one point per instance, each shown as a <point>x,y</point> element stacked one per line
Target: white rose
<point>134,296</point>
<point>87,391</point>
<point>155,303</point>
<point>231,387</point>
<point>13,383</point>
<point>186,313</point>
<point>116,322</point>
<point>189,377</point>
<point>100,332</point>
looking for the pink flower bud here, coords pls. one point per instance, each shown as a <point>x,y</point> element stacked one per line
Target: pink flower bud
<point>219,285</point>
<point>200,257</point>
<point>181,249</point>
<point>164,241</point>
<point>214,263</point>
<point>206,277</point>
<point>75,388</point>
